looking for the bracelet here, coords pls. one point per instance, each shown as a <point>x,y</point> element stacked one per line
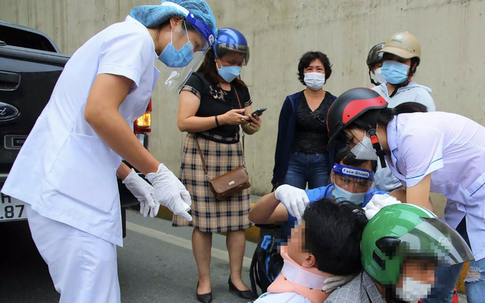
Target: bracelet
<point>248,126</point>
<point>217,121</point>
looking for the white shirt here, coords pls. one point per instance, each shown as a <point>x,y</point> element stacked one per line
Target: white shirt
<point>451,148</point>
<point>64,170</point>
<point>413,92</point>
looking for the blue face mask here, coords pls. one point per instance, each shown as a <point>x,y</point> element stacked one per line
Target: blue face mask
<point>172,57</point>
<point>394,72</point>
<point>341,195</point>
<point>229,73</point>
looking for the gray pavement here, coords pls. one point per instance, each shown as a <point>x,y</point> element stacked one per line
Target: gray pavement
<point>156,264</point>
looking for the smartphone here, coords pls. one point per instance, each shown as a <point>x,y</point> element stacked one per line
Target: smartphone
<point>258,112</point>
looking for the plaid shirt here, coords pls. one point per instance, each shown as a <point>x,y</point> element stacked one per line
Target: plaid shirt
<point>360,289</point>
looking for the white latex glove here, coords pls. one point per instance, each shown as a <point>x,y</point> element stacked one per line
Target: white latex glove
<point>334,282</point>
<point>170,192</point>
<point>143,192</point>
<point>377,202</point>
<point>293,198</point>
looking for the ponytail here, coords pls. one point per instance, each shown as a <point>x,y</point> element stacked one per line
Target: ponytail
<point>408,108</point>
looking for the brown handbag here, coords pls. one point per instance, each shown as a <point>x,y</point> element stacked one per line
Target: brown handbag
<point>230,183</point>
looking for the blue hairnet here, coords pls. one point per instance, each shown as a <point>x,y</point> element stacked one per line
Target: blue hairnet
<point>154,15</point>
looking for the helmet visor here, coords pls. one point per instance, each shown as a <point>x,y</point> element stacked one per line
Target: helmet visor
<point>223,49</point>
<point>435,239</point>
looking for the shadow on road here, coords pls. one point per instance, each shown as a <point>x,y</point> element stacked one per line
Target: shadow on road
<point>24,276</point>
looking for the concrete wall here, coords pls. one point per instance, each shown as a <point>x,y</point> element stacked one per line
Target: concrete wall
<point>279,32</point>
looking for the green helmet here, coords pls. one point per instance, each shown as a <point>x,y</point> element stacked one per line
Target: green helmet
<point>405,231</point>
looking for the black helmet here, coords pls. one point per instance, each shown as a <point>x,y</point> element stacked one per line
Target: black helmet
<point>349,106</point>
<point>347,109</point>
<point>374,55</point>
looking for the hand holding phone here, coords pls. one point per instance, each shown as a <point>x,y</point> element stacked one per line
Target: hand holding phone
<point>258,112</point>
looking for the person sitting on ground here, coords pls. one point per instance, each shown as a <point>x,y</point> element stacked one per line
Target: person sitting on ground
<point>352,181</point>
<point>326,244</point>
<point>401,247</point>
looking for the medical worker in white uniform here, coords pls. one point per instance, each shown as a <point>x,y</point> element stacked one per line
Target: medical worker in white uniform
<point>66,171</point>
<point>429,152</point>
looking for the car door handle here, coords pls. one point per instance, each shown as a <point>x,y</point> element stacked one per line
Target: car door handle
<point>9,81</point>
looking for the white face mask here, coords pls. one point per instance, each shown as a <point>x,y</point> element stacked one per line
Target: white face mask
<point>314,81</point>
<point>379,77</point>
<point>364,150</point>
<point>413,290</point>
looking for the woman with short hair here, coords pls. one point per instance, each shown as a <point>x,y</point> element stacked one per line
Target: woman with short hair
<point>301,156</point>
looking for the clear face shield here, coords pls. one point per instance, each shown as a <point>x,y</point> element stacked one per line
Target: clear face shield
<point>234,49</point>
<point>436,240</point>
<point>351,183</point>
<point>178,76</point>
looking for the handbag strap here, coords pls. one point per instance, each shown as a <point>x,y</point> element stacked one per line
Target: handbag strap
<point>240,106</point>
<point>201,157</point>
<point>200,151</point>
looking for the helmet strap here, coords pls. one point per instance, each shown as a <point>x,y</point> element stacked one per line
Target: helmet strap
<point>402,84</point>
<point>372,80</point>
<point>373,136</point>
<point>377,146</point>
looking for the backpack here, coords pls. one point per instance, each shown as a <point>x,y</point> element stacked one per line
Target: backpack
<point>267,262</point>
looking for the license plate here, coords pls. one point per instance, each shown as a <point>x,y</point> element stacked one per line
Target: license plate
<point>12,209</point>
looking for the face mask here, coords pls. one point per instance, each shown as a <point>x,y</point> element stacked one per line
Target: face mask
<point>379,77</point>
<point>394,72</point>
<point>364,150</point>
<point>172,57</point>
<point>341,195</point>
<point>229,73</point>
<point>314,81</point>
<point>413,290</point>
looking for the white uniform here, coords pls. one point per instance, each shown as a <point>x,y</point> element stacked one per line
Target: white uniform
<point>451,148</point>
<point>413,92</point>
<point>65,171</point>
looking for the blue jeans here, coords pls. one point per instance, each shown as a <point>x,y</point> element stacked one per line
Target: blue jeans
<point>446,278</point>
<point>311,168</point>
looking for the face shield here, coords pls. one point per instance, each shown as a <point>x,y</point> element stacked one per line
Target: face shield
<point>434,239</point>
<point>351,183</point>
<point>225,48</point>
<point>178,76</point>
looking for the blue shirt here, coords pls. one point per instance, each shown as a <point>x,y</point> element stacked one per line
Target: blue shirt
<point>319,193</point>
